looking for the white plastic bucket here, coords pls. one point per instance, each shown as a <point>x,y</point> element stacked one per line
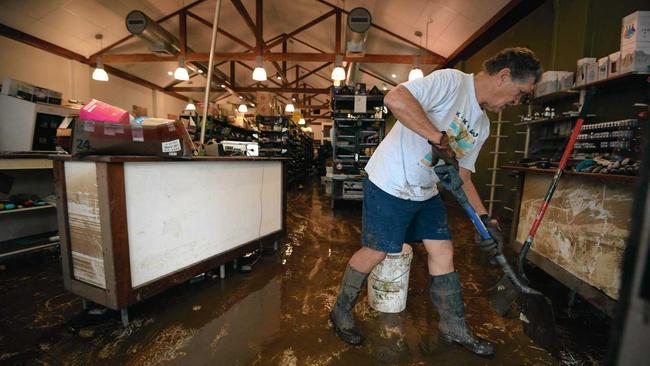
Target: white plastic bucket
<point>388,282</point>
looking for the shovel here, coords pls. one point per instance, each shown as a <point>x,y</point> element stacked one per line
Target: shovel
<point>539,310</point>
<point>505,292</point>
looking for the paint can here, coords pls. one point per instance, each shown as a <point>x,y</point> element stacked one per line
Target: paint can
<point>388,282</point>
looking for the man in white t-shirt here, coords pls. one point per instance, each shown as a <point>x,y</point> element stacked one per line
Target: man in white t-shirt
<point>446,110</point>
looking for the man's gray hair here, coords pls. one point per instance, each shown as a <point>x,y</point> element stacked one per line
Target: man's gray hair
<point>521,61</point>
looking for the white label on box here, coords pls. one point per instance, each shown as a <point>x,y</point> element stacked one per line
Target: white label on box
<point>108,130</point>
<point>89,126</point>
<point>171,146</point>
<point>137,134</point>
<point>360,103</point>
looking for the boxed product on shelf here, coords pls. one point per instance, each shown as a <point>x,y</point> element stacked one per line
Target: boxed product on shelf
<point>586,70</point>
<point>553,81</point>
<point>635,30</point>
<point>635,59</point>
<point>107,138</point>
<point>603,68</point>
<point>614,64</point>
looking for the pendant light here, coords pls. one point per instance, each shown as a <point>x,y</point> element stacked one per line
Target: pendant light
<point>242,108</point>
<point>181,72</point>
<point>338,74</point>
<point>301,121</point>
<point>289,108</point>
<point>415,73</point>
<point>99,73</point>
<point>190,106</point>
<point>259,74</point>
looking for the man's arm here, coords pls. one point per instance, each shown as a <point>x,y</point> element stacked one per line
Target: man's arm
<point>471,193</point>
<point>410,113</point>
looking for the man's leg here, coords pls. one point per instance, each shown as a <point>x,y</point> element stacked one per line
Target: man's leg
<point>353,282</point>
<point>446,294</point>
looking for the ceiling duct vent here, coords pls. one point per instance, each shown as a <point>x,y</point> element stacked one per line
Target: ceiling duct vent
<point>359,21</point>
<point>159,39</point>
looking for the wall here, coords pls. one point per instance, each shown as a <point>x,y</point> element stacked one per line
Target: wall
<point>560,32</point>
<point>73,79</point>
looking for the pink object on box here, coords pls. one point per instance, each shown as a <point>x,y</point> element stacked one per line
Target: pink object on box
<point>97,110</point>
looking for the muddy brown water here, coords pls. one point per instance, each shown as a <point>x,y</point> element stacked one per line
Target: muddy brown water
<point>277,314</point>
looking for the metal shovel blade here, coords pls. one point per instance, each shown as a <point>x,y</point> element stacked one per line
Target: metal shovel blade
<point>538,321</point>
<point>502,296</point>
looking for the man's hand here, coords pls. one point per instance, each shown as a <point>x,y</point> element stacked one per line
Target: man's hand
<point>494,246</point>
<point>440,150</point>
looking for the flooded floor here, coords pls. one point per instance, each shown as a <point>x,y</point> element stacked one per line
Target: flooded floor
<point>278,313</point>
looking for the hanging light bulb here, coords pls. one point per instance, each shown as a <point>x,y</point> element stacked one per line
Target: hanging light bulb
<point>416,73</point>
<point>242,108</point>
<point>181,72</point>
<point>259,74</point>
<point>289,108</point>
<point>338,73</point>
<point>190,106</point>
<point>301,121</point>
<point>100,74</point>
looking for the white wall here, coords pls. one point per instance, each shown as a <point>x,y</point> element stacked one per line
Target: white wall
<point>73,79</point>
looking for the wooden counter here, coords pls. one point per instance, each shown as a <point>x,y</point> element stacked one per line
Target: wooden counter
<point>132,226</point>
<point>582,237</point>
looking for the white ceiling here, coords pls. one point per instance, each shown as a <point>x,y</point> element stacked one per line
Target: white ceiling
<point>72,24</point>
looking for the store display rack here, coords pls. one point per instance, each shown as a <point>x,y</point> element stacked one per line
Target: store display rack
<point>358,128</point>
<point>280,137</point>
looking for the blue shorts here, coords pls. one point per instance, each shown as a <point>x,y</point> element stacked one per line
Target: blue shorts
<point>388,221</point>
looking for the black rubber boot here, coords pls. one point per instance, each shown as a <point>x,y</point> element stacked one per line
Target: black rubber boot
<point>447,296</point>
<point>341,315</point>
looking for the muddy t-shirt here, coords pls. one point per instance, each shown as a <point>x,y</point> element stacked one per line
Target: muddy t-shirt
<point>401,165</point>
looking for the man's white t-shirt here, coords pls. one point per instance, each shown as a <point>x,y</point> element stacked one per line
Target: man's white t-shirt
<point>401,165</point>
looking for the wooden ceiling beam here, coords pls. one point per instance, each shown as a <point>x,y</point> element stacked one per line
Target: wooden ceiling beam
<point>259,26</point>
<point>222,31</point>
<point>244,14</point>
<point>300,29</point>
<point>441,59</point>
<point>105,49</point>
<point>254,89</point>
<point>377,76</point>
<point>307,44</point>
<point>505,18</point>
<point>312,72</point>
<point>316,74</point>
<point>30,40</point>
<point>249,56</point>
<point>182,31</point>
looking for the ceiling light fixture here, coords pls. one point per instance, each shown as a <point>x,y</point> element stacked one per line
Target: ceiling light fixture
<point>338,74</point>
<point>100,74</point>
<point>393,76</point>
<point>301,121</point>
<point>289,108</point>
<point>416,72</point>
<point>181,72</point>
<point>259,74</point>
<point>190,106</point>
<point>242,108</point>
<point>170,73</point>
<point>200,71</point>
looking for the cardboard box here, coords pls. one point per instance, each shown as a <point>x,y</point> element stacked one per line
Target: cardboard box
<point>107,138</point>
<point>584,64</point>
<point>592,72</point>
<point>635,30</point>
<point>603,68</point>
<point>565,80</point>
<point>614,64</point>
<point>634,59</point>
